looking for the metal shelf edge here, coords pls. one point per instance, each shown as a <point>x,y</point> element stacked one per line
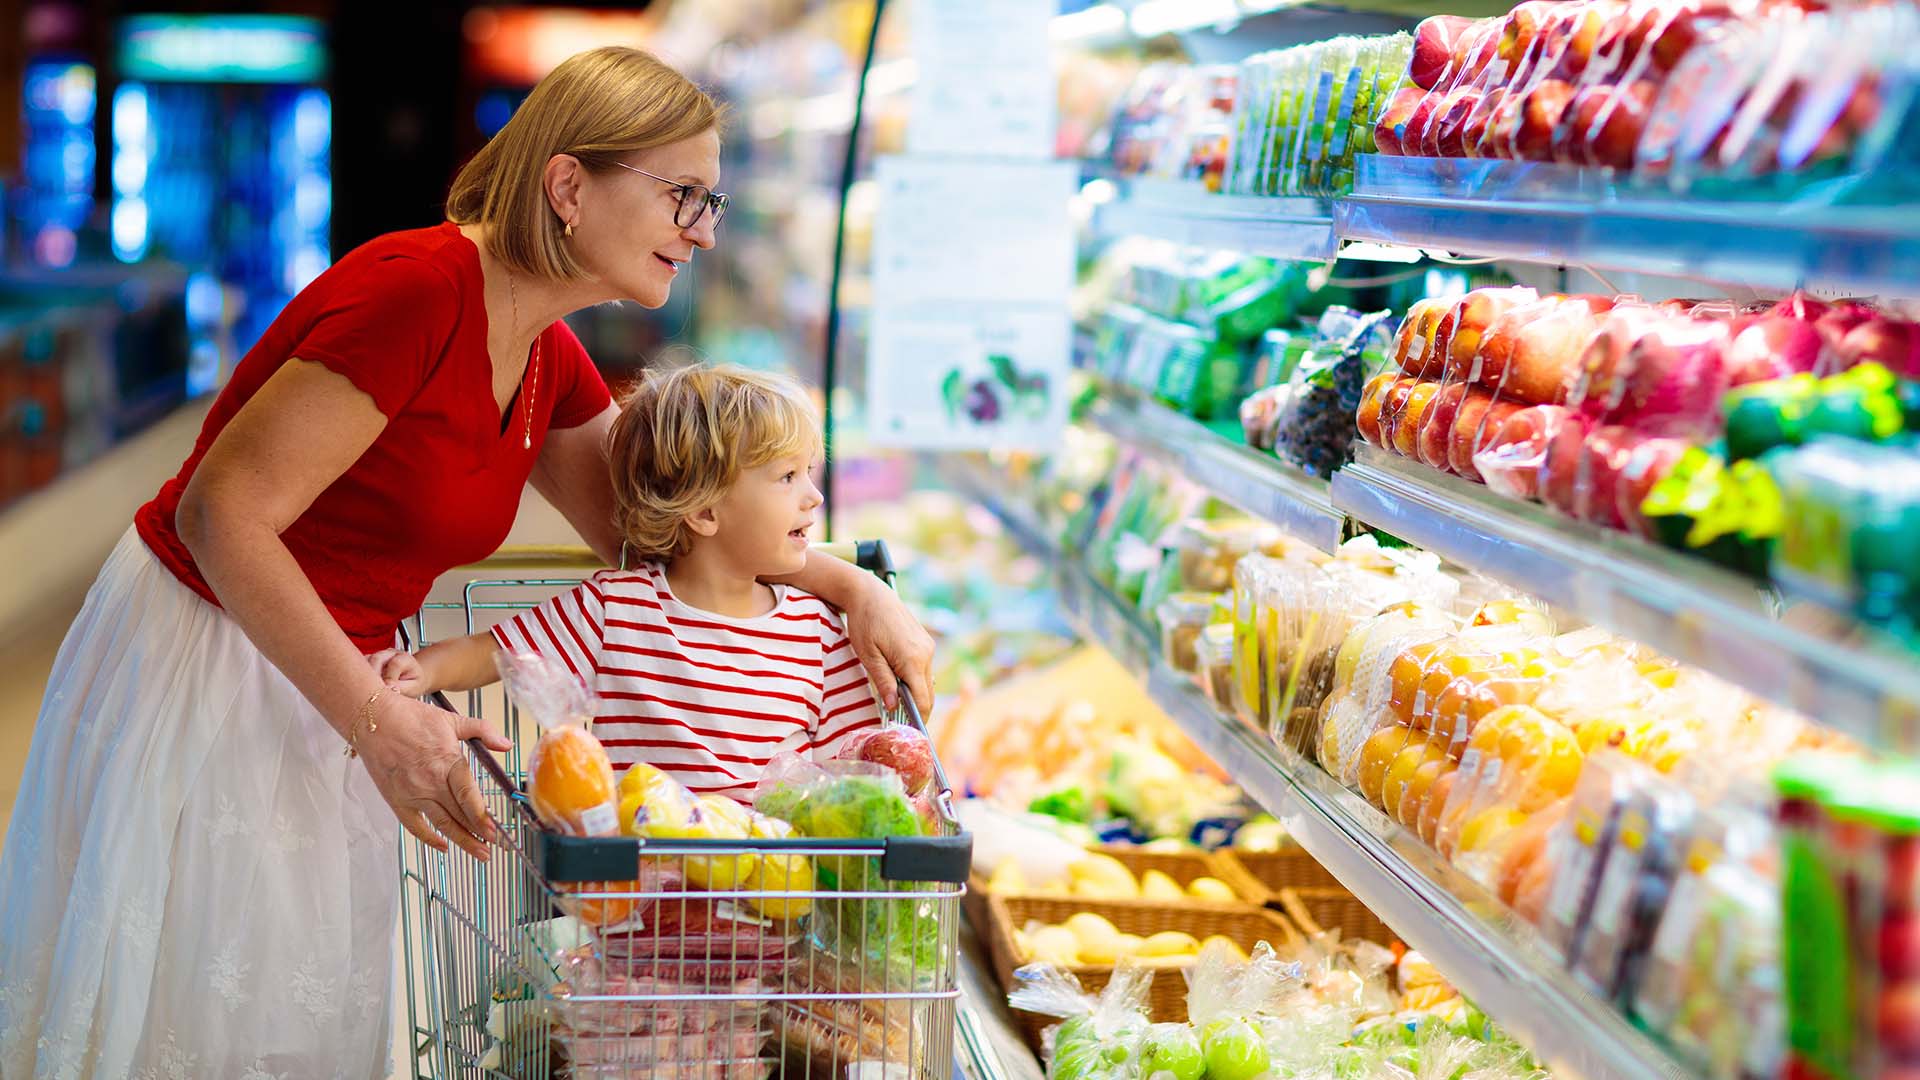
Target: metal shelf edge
<point>1255,483</point>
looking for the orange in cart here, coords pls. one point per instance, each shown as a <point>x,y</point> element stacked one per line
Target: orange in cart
<point>603,912</point>
<point>570,783</point>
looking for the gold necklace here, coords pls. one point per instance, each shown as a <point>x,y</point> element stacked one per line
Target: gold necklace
<point>530,378</point>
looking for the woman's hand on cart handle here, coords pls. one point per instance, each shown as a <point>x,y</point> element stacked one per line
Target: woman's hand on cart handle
<point>401,671</point>
<point>416,760</point>
<point>894,647</point>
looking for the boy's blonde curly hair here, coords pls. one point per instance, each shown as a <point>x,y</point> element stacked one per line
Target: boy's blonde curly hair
<point>683,437</point>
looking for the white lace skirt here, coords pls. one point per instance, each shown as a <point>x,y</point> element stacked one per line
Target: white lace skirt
<point>197,883</point>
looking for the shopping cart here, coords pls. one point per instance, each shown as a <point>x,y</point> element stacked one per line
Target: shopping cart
<point>686,959</point>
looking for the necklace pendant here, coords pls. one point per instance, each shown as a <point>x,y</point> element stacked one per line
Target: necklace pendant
<point>526,442</point>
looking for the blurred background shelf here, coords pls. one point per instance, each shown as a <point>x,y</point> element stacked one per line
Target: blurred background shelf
<point>1183,212</point>
<point>1489,954</point>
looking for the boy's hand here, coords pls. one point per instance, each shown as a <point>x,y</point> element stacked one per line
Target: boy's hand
<point>401,671</point>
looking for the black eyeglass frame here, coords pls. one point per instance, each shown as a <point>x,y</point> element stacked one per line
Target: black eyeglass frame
<point>699,196</point>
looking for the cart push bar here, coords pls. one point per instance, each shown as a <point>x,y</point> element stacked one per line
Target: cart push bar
<point>572,859</point>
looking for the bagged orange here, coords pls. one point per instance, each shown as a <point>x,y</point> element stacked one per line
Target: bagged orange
<point>569,779</point>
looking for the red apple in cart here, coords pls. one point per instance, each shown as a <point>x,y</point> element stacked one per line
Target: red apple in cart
<point>1892,342</point>
<point>1399,111</point>
<point>904,750</point>
<point>1433,48</point>
<point>1540,113</point>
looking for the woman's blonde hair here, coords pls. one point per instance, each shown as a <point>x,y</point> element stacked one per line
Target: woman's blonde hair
<point>598,106</point>
<point>683,437</point>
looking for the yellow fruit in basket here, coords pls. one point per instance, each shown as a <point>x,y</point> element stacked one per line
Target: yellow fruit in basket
<point>1223,944</point>
<point>1053,888</point>
<point>721,819</point>
<point>655,805</point>
<point>1091,930</point>
<point>1156,885</point>
<point>1169,943</point>
<point>1102,877</point>
<point>1104,951</point>
<point>571,783</point>
<point>1053,945</point>
<point>1008,879</point>
<point>778,873</point>
<point>1210,889</point>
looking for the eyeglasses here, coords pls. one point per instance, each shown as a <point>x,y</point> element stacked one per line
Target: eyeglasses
<point>695,199</point>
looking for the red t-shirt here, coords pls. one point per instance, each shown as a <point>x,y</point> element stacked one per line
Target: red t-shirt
<point>402,317</point>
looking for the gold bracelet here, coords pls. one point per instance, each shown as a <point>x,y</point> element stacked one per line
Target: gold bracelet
<point>365,716</point>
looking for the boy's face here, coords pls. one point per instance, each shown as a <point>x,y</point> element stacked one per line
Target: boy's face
<point>762,522</point>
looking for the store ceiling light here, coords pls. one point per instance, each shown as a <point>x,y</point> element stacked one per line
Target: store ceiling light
<point>1155,17</point>
<point>1097,22</point>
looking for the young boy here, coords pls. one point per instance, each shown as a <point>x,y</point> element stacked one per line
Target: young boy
<point>702,670</point>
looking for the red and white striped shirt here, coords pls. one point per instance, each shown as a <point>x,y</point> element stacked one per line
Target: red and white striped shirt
<point>706,698</point>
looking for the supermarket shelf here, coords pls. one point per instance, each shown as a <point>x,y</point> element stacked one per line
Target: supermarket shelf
<point>1492,957</point>
<point>1805,658</point>
<point>1568,216</point>
<point>1543,213</point>
<point>1255,482</point>
<point>1184,213</point>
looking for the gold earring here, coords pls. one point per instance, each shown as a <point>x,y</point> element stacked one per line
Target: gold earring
<point>569,230</point>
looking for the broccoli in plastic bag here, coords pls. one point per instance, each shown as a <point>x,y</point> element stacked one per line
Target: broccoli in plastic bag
<point>897,940</point>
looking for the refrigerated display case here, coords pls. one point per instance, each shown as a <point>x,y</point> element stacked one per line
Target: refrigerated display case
<point>1796,608</point>
<point>222,131</point>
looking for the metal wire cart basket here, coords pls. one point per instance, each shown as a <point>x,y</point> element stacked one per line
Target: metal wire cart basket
<point>688,959</point>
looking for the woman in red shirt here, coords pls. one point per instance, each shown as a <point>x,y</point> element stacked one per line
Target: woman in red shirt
<point>198,880</point>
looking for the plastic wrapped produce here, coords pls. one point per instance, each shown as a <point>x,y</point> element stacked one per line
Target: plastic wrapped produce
<point>569,778</point>
<point>1315,429</point>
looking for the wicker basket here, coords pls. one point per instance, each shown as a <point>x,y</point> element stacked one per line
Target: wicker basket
<point>1336,909</point>
<point>1245,925</point>
<point>1182,866</point>
<point>1270,871</point>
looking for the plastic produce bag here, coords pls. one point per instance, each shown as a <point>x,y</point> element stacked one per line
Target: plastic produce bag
<point>1102,1032</point>
<point>1315,430</point>
<point>569,777</point>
